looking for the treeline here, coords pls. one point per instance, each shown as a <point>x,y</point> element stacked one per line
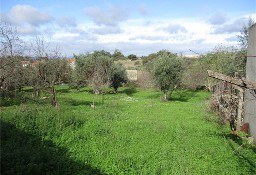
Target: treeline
<point>50,68</point>
<point>99,71</point>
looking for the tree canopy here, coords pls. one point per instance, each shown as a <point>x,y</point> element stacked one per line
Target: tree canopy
<point>166,72</point>
<point>99,71</point>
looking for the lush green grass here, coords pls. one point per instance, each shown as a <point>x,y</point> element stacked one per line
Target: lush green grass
<point>133,132</point>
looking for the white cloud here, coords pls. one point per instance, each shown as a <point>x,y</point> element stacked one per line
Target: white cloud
<point>65,21</point>
<point>218,18</point>
<point>149,38</point>
<point>113,28</point>
<point>104,30</point>
<point>28,14</point>
<point>230,27</point>
<point>65,36</point>
<point>110,16</point>
<point>175,29</point>
<point>232,39</point>
<point>5,18</point>
<point>26,29</point>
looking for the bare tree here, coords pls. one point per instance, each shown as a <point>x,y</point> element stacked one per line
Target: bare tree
<point>51,73</point>
<point>11,44</point>
<point>10,58</point>
<point>40,47</point>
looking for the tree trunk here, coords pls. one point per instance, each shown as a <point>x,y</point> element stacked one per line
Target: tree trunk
<point>170,94</point>
<point>115,90</point>
<point>54,98</point>
<point>36,92</point>
<point>165,96</point>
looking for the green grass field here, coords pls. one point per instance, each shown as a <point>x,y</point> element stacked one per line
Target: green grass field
<point>133,132</point>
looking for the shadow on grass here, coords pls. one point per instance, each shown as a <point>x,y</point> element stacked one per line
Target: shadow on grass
<point>244,159</point>
<point>5,102</point>
<point>63,91</point>
<point>23,153</point>
<point>17,100</point>
<point>74,102</point>
<point>128,91</point>
<point>240,141</point>
<point>183,96</point>
<point>27,90</point>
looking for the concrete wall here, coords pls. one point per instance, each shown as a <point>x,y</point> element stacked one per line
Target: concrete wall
<point>250,95</point>
<point>132,75</point>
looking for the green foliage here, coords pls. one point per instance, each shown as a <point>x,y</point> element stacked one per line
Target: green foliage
<point>137,63</point>
<point>12,76</point>
<point>54,71</point>
<point>98,53</point>
<point>166,73</point>
<point>99,71</point>
<point>151,57</point>
<point>226,60</point>
<point>223,59</point>
<point>118,76</point>
<point>132,133</point>
<point>195,74</point>
<point>132,57</point>
<point>95,69</point>
<point>117,55</point>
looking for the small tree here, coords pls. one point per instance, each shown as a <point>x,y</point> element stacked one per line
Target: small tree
<point>52,72</point>
<point>10,43</point>
<point>132,57</point>
<point>166,73</point>
<point>117,55</point>
<point>118,76</point>
<point>99,71</point>
<point>95,71</point>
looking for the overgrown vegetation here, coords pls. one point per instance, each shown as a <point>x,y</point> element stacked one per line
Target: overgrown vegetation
<point>132,133</point>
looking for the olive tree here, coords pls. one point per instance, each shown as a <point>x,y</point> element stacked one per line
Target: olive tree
<point>132,57</point>
<point>118,76</point>
<point>166,73</point>
<point>98,71</point>
<point>94,70</point>
<point>117,55</point>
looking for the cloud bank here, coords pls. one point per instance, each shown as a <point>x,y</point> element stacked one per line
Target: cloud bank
<point>131,31</point>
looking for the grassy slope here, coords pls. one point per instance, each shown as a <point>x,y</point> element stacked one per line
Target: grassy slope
<point>132,133</point>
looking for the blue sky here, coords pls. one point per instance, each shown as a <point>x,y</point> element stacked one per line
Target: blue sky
<point>135,26</point>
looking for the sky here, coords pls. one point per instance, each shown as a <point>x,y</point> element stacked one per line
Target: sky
<point>133,26</point>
